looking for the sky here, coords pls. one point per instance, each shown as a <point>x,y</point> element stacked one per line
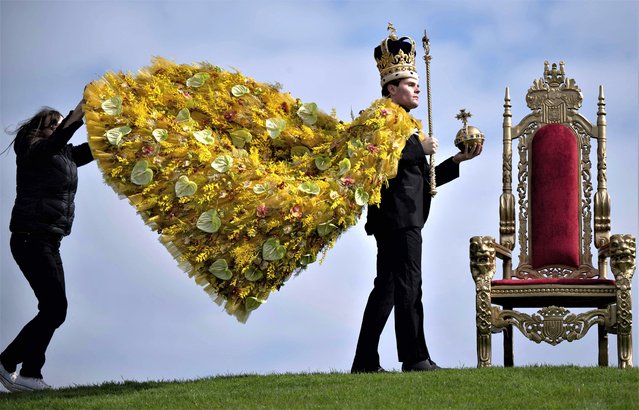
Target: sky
<point>134,315</point>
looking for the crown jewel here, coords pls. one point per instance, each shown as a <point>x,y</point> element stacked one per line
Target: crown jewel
<point>395,57</point>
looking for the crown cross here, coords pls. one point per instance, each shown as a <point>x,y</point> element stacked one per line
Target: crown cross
<point>463,116</point>
<point>392,31</point>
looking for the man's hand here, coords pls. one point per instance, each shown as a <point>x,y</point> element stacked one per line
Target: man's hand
<point>469,153</point>
<point>430,145</point>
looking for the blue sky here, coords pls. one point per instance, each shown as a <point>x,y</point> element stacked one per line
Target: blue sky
<point>134,315</point>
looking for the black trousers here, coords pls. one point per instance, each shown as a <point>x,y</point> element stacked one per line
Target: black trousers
<point>398,285</point>
<point>38,256</point>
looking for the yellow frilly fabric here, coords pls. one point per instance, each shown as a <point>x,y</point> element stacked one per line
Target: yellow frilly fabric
<point>245,184</point>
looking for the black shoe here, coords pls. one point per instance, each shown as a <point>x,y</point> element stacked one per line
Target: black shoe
<point>422,366</point>
<point>378,369</point>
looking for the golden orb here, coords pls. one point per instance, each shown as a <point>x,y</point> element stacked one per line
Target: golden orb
<point>468,136</point>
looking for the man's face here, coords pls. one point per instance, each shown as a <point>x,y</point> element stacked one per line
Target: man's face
<point>405,94</point>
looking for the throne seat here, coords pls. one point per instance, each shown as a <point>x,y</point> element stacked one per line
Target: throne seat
<point>568,292</point>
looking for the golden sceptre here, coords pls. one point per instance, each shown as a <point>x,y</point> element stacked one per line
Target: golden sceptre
<point>426,45</point>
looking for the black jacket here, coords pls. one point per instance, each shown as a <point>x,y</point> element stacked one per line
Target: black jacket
<point>405,202</point>
<point>47,180</point>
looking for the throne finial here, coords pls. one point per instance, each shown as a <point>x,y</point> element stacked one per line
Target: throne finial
<point>554,77</point>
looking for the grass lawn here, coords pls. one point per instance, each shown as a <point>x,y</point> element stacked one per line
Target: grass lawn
<point>495,388</point>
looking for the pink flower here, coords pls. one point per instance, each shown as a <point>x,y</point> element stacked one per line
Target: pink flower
<point>184,93</point>
<point>230,115</point>
<point>348,181</point>
<point>262,210</point>
<point>372,148</point>
<point>296,211</point>
<point>383,112</point>
<point>147,150</point>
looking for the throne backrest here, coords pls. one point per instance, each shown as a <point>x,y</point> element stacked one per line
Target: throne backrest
<point>554,187</point>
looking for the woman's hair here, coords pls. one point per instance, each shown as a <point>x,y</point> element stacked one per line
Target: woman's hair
<point>30,130</point>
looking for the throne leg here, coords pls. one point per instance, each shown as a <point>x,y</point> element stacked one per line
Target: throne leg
<point>624,347</point>
<point>484,327</point>
<point>603,345</point>
<point>622,263</point>
<point>509,357</point>
<point>484,349</point>
<point>482,268</point>
<point>624,330</point>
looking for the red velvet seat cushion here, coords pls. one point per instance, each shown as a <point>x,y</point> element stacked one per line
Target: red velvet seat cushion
<point>554,197</point>
<point>553,281</point>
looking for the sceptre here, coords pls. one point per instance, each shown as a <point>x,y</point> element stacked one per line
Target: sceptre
<point>426,45</point>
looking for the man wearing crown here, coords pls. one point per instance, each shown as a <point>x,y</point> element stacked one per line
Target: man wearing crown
<point>397,222</point>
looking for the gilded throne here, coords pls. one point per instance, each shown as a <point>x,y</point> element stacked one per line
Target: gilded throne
<point>555,203</point>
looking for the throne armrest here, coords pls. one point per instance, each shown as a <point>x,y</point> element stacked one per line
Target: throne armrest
<point>503,252</point>
<point>622,253</point>
<point>483,253</point>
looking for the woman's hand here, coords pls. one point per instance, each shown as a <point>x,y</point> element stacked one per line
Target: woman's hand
<point>77,113</point>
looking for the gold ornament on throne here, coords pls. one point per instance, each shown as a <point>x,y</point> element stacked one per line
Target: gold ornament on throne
<point>482,255</point>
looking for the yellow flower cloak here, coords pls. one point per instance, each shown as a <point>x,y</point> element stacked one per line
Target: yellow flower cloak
<point>245,184</point>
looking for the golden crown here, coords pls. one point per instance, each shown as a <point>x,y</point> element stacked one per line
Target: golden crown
<point>395,57</point>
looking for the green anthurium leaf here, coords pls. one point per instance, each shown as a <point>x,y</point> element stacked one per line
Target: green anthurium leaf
<point>300,151</point>
<point>354,144</point>
<point>322,163</point>
<point>204,136</point>
<point>209,221</point>
<point>241,137</point>
<point>239,90</point>
<point>272,250</point>
<point>361,197</point>
<point>183,115</point>
<point>326,228</point>
<point>252,274</point>
<point>160,134</point>
<point>307,259</point>
<point>309,187</point>
<point>141,174</point>
<point>344,166</point>
<point>261,188</point>
<point>220,269</point>
<point>185,187</point>
<point>275,126</point>
<point>114,135</point>
<point>222,163</point>
<point>113,105</point>
<point>308,113</point>
<point>198,80</point>
<point>253,303</point>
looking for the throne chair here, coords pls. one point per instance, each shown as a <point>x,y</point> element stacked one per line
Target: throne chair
<point>554,202</point>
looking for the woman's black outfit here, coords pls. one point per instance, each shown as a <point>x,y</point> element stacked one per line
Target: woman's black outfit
<point>43,212</point>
